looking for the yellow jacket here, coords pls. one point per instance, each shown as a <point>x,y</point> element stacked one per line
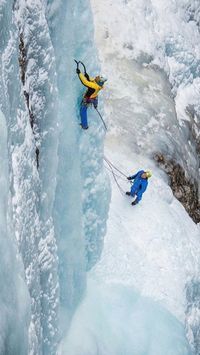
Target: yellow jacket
<point>93,87</point>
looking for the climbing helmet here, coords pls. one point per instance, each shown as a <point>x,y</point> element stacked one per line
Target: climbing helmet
<point>148,173</point>
<point>100,79</point>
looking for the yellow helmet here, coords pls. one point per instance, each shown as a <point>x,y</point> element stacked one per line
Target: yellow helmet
<point>148,173</point>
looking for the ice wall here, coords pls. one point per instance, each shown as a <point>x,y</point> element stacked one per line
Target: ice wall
<point>14,298</point>
<point>80,171</point>
<point>50,183</point>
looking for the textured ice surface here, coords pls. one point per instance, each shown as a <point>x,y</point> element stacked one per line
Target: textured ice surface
<point>115,319</point>
<point>14,298</point>
<point>50,190</point>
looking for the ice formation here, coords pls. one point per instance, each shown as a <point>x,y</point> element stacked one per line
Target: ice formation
<point>64,289</point>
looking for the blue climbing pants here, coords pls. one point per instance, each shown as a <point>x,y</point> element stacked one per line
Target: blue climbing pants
<point>83,109</point>
<point>137,192</point>
<point>83,113</point>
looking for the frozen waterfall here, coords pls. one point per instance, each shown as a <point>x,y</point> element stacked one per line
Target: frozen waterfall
<point>83,272</point>
<point>51,186</point>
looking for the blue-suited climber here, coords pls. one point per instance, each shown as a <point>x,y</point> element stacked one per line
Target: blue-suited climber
<point>91,95</point>
<point>139,185</point>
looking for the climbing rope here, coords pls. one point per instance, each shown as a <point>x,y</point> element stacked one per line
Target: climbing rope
<point>115,179</point>
<point>109,162</point>
<point>102,119</point>
<point>118,176</point>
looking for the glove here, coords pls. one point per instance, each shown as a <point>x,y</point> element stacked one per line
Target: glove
<point>95,105</point>
<point>129,178</point>
<point>78,71</point>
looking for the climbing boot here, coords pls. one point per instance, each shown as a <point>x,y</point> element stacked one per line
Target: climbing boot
<point>134,203</point>
<point>83,126</point>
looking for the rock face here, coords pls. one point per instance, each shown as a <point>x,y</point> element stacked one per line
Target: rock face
<point>184,189</point>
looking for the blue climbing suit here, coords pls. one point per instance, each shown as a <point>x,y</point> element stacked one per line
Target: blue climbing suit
<point>139,186</point>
